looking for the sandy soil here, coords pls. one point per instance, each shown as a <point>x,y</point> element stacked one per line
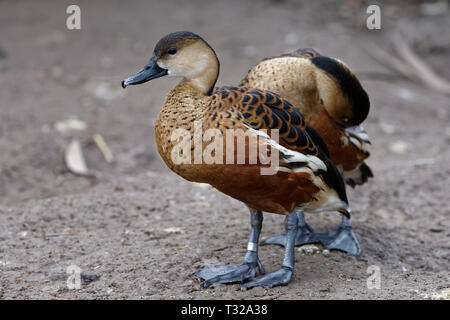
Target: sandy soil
<point>139,231</point>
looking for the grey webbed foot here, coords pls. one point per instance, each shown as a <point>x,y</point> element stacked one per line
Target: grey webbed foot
<point>229,274</point>
<point>342,238</point>
<point>280,277</point>
<point>240,272</point>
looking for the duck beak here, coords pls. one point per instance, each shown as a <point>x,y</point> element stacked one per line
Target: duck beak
<point>149,72</point>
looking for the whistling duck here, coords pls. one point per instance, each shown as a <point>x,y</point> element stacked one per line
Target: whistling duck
<point>332,100</point>
<point>303,179</point>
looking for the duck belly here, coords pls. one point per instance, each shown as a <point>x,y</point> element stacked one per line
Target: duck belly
<point>280,193</point>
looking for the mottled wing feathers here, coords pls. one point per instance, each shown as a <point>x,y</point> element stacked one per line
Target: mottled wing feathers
<point>333,178</point>
<point>318,140</point>
<point>262,109</point>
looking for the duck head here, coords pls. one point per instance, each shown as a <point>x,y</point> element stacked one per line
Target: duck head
<point>181,54</point>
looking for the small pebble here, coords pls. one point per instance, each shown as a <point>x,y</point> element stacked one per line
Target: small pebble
<point>387,128</point>
<point>173,230</point>
<point>71,124</point>
<point>106,91</point>
<point>445,294</point>
<point>23,234</point>
<point>399,147</point>
<point>308,249</point>
<point>406,94</point>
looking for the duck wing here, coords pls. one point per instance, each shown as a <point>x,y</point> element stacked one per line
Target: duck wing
<point>263,109</point>
<point>299,144</point>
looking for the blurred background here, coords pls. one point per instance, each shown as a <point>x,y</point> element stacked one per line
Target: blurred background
<point>60,86</point>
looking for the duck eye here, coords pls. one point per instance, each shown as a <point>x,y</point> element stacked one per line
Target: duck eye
<point>172,50</point>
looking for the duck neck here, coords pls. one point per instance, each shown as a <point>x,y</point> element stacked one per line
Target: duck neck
<point>205,80</point>
<point>186,99</point>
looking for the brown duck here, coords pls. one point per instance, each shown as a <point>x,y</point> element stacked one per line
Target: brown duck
<point>332,100</point>
<point>303,178</point>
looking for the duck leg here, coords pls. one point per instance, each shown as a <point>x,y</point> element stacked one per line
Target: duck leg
<point>282,276</point>
<point>342,238</point>
<point>240,272</point>
<point>304,235</point>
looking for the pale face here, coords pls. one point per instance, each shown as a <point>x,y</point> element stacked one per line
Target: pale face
<point>189,60</point>
<point>181,54</point>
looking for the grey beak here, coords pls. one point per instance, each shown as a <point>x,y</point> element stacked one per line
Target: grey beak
<point>149,72</point>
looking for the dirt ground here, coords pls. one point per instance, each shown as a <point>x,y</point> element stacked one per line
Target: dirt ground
<point>138,231</point>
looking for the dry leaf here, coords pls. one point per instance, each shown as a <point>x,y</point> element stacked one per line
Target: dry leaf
<point>101,144</point>
<point>74,158</point>
<point>173,230</point>
<point>70,125</point>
